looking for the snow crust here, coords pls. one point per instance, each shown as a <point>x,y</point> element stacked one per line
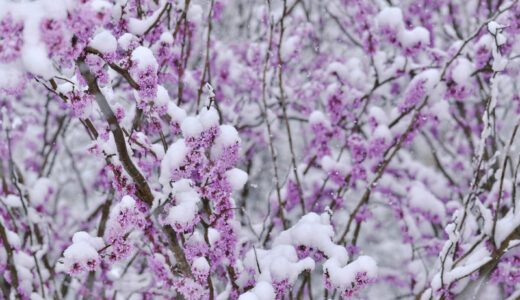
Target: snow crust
<point>237,178</point>
<point>144,57</point>
<point>104,42</point>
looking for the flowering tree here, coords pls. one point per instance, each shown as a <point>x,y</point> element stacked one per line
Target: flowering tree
<point>289,149</point>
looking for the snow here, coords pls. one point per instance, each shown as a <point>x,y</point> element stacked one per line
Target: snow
<point>143,57</point>
<point>382,131</point>
<point>430,78</point>
<point>515,295</point>
<point>213,236</point>
<point>378,114</point>
<point>262,291</point>
<point>343,277</point>
<point>187,196</point>
<point>176,113</point>
<point>42,188</point>
<point>34,53</point>
<point>201,264</point>
<point>338,68</point>
<point>228,136</point>
<point>182,215</point>
<point>166,37</point>
<point>184,212</point>
<point>442,110</point>
<point>289,46</point>
<point>139,27</point>
<point>99,5</point>
<point>195,238</point>
<point>114,273</point>
<point>317,117</point>
<point>501,39</point>
<point>237,178</point>
<point>13,201</point>
<point>191,127</point>
<point>127,202</point>
<point>452,236</point>
<point>282,267</point>
<point>512,244</point>
<point>208,88</point>
<point>34,215</point>
<point>417,36</point>
<point>66,86</point>
<point>477,255</point>
<point>458,272</point>
<point>95,242</point>
<point>462,71</point>
<point>10,77</point>
<point>423,199</point>
<point>125,40</point>
<point>79,252</point>
<point>162,98</point>
<point>386,71</point>
<point>182,185</point>
<point>104,41</point>
<point>487,217</point>
<point>357,76</point>
<point>279,263</point>
<point>35,296</point>
<point>486,41</point>
<point>315,231</point>
<point>391,16</point>
<point>14,239</point>
<point>499,62</point>
<point>329,165</point>
<point>110,145</point>
<point>505,226</point>
<point>208,118</point>
<point>36,61</point>
<point>195,13</point>
<point>173,159</point>
<point>417,270</point>
<point>493,27</point>
<point>158,149</point>
<point>24,263</point>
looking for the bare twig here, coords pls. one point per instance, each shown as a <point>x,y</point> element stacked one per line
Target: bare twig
<point>284,110</point>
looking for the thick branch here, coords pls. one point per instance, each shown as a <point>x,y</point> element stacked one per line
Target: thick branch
<point>143,190</point>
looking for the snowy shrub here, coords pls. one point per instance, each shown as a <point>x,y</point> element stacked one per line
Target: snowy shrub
<point>289,149</point>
